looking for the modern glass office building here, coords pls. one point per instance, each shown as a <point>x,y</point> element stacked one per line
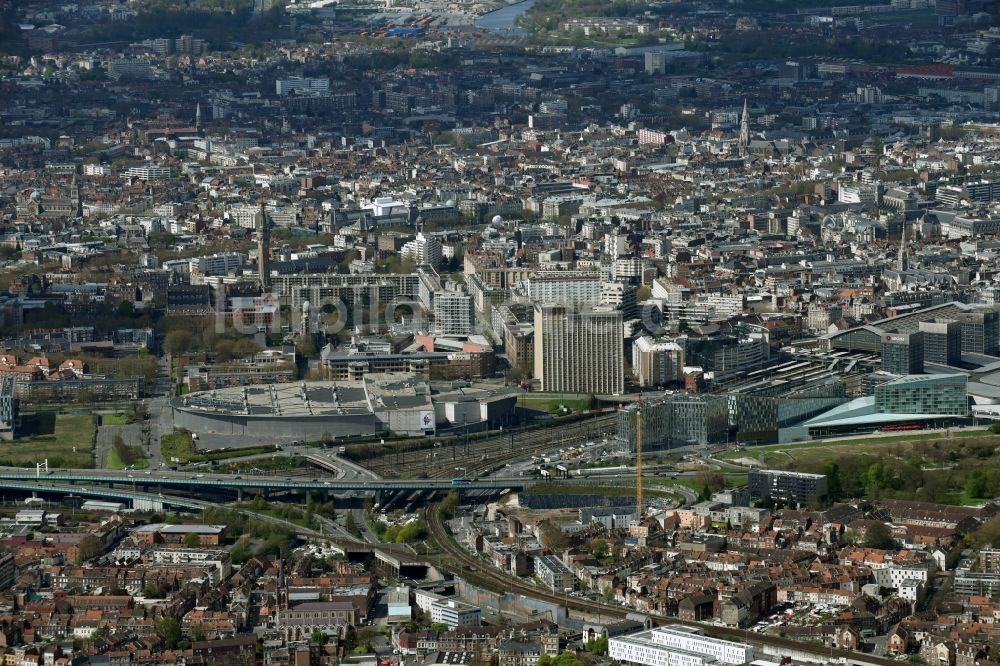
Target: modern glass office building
<point>677,420</point>
<point>912,400</point>
<point>758,415</point>
<point>903,353</point>
<point>924,394</point>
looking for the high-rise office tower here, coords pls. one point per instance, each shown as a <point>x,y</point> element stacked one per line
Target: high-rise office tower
<point>903,353</point>
<point>579,351</point>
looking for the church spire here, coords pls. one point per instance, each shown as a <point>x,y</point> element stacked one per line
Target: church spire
<point>197,117</point>
<point>902,261</point>
<point>75,197</point>
<point>263,250</point>
<point>744,140</point>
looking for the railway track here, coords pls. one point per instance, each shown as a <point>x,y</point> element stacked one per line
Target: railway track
<point>484,455</point>
<point>477,571</point>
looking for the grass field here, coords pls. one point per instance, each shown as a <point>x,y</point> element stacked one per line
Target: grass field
<point>114,419</point>
<point>65,440</point>
<point>820,451</point>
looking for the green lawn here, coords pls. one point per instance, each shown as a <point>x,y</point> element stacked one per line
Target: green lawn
<point>820,451</point>
<point>65,440</point>
<point>179,445</point>
<point>114,419</point>
<point>774,452</point>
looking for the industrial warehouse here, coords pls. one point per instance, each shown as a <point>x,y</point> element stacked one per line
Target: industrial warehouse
<point>398,403</point>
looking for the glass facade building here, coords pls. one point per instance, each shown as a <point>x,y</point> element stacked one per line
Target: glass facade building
<point>924,394</point>
<point>903,353</point>
<point>760,414</point>
<point>942,342</point>
<point>678,420</point>
<point>980,332</point>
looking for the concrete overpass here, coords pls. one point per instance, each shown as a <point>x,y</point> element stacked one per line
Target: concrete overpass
<point>260,483</point>
<point>153,500</point>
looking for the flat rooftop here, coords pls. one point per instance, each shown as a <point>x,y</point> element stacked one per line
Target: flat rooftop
<point>296,399</point>
<point>377,392</point>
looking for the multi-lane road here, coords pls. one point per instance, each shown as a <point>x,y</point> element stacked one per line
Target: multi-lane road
<point>188,480</point>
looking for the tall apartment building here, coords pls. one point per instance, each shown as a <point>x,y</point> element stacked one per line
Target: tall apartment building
<point>189,45</point>
<point>903,353</point>
<point>453,311</point>
<point>657,362</point>
<point>579,352</point>
<point>514,322</point>
<point>423,250</point>
<point>565,287</point>
<point>621,295</point>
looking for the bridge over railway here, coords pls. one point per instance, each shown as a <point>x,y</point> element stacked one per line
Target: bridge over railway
<point>166,480</point>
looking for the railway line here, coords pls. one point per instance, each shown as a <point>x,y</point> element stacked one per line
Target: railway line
<point>483,455</point>
<point>477,571</point>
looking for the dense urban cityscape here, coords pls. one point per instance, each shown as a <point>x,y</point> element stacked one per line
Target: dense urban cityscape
<point>538,333</point>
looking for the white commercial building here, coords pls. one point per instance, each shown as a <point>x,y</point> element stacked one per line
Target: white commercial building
<point>895,575</point>
<point>424,599</point>
<point>302,86</point>
<point>455,614</point>
<point>148,172</point>
<point>677,646</point>
<point>221,263</point>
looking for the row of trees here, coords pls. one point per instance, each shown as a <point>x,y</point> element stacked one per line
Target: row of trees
<point>128,455</point>
<point>188,334</point>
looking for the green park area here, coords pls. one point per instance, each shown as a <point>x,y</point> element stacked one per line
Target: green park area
<point>118,418</point>
<point>65,440</point>
<point>962,467</point>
